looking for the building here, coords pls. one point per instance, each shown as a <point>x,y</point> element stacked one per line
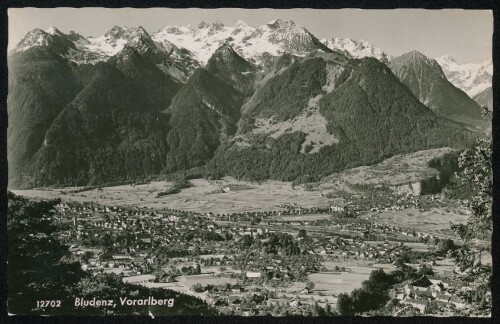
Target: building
<point>421,283</point>
<point>294,302</point>
<point>253,274</point>
<point>338,206</point>
<point>144,238</point>
<point>139,279</point>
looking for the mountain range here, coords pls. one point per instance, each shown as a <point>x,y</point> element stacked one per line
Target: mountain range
<point>254,102</point>
<point>474,79</point>
<point>429,84</point>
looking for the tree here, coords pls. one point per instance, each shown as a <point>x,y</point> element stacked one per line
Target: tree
<point>36,259</point>
<point>197,287</point>
<point>446,245</point>
<point>344,304</point>
<point>310,285</point>
<point>425,271</point>
<point>302,233</point>
<point>476,172</point>
<point>196,250</point>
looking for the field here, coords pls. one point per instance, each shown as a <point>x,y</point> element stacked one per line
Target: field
<point>400,169</point>
<point>436,220</point>
<point>204,196</point>
<point>229,195</point>
<point>338,282</point>
<point>205,279</point>
<point>205,270</point>
<point>298,218</point>
<point>416,246</point>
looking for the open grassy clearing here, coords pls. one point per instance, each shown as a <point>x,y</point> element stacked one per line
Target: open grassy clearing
<point>205,279</point>
<point>208,195</point>
<point>204,196</point>
<point>416,246</point>
<point>435,220</point>
<point>400,169</point>
<point>297,218</point>
<point>309,121</point>
<point>338,282</point>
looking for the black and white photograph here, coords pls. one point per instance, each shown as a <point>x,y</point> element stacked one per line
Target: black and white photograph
<point>249,162</point>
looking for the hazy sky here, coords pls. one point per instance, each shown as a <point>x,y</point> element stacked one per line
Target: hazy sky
<point>464,34</point>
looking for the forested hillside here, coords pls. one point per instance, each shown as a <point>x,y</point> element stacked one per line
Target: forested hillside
<point>372,114</point>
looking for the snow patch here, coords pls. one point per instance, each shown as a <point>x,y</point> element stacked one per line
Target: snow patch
<point>356,49</point>
<point>246,40</point>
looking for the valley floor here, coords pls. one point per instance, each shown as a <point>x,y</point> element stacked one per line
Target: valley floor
<point>351,231</point>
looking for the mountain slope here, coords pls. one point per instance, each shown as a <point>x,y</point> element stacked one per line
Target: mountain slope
<point>227,65</point>
<point>361,103</point>
<point>285,96</point>
<point>41,84</point>
<point>106,133</point>
<point>81,124</point>
<point>204,111</point>
<point>271,102</point>
<point>485,98</point>
<point>157,86</point>
<point>427,82</point>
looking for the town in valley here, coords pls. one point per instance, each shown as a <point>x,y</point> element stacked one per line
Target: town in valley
<point>287,258</point>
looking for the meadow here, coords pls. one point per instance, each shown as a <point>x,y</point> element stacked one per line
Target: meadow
<point>204,196</point>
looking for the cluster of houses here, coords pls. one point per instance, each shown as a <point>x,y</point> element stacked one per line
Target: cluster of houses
<point>347,248</point>
<point>148,229</point>
<point>443,292</point>
<point>389,202</point>
<point>138,233</point>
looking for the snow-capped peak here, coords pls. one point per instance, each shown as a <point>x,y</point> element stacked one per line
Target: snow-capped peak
<point>280,23</point>
<point>275,38</point>
<point>35,37</point>
<point>356,48</point>
<point>115,32</point>
<point>225,49</point>
<point>472,78</point>
<point>139,34</point>
<point>203,24</point>
<point>115,39</point>
<point>217,25</point>
<point>446,59</point>
<point>241,24</point>
<point>177,30</point>
<point>140,30</point>
<point>53,31</point>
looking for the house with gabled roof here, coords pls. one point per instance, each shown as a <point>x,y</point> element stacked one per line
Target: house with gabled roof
<point>421,283</point>
<point>295,302</point>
